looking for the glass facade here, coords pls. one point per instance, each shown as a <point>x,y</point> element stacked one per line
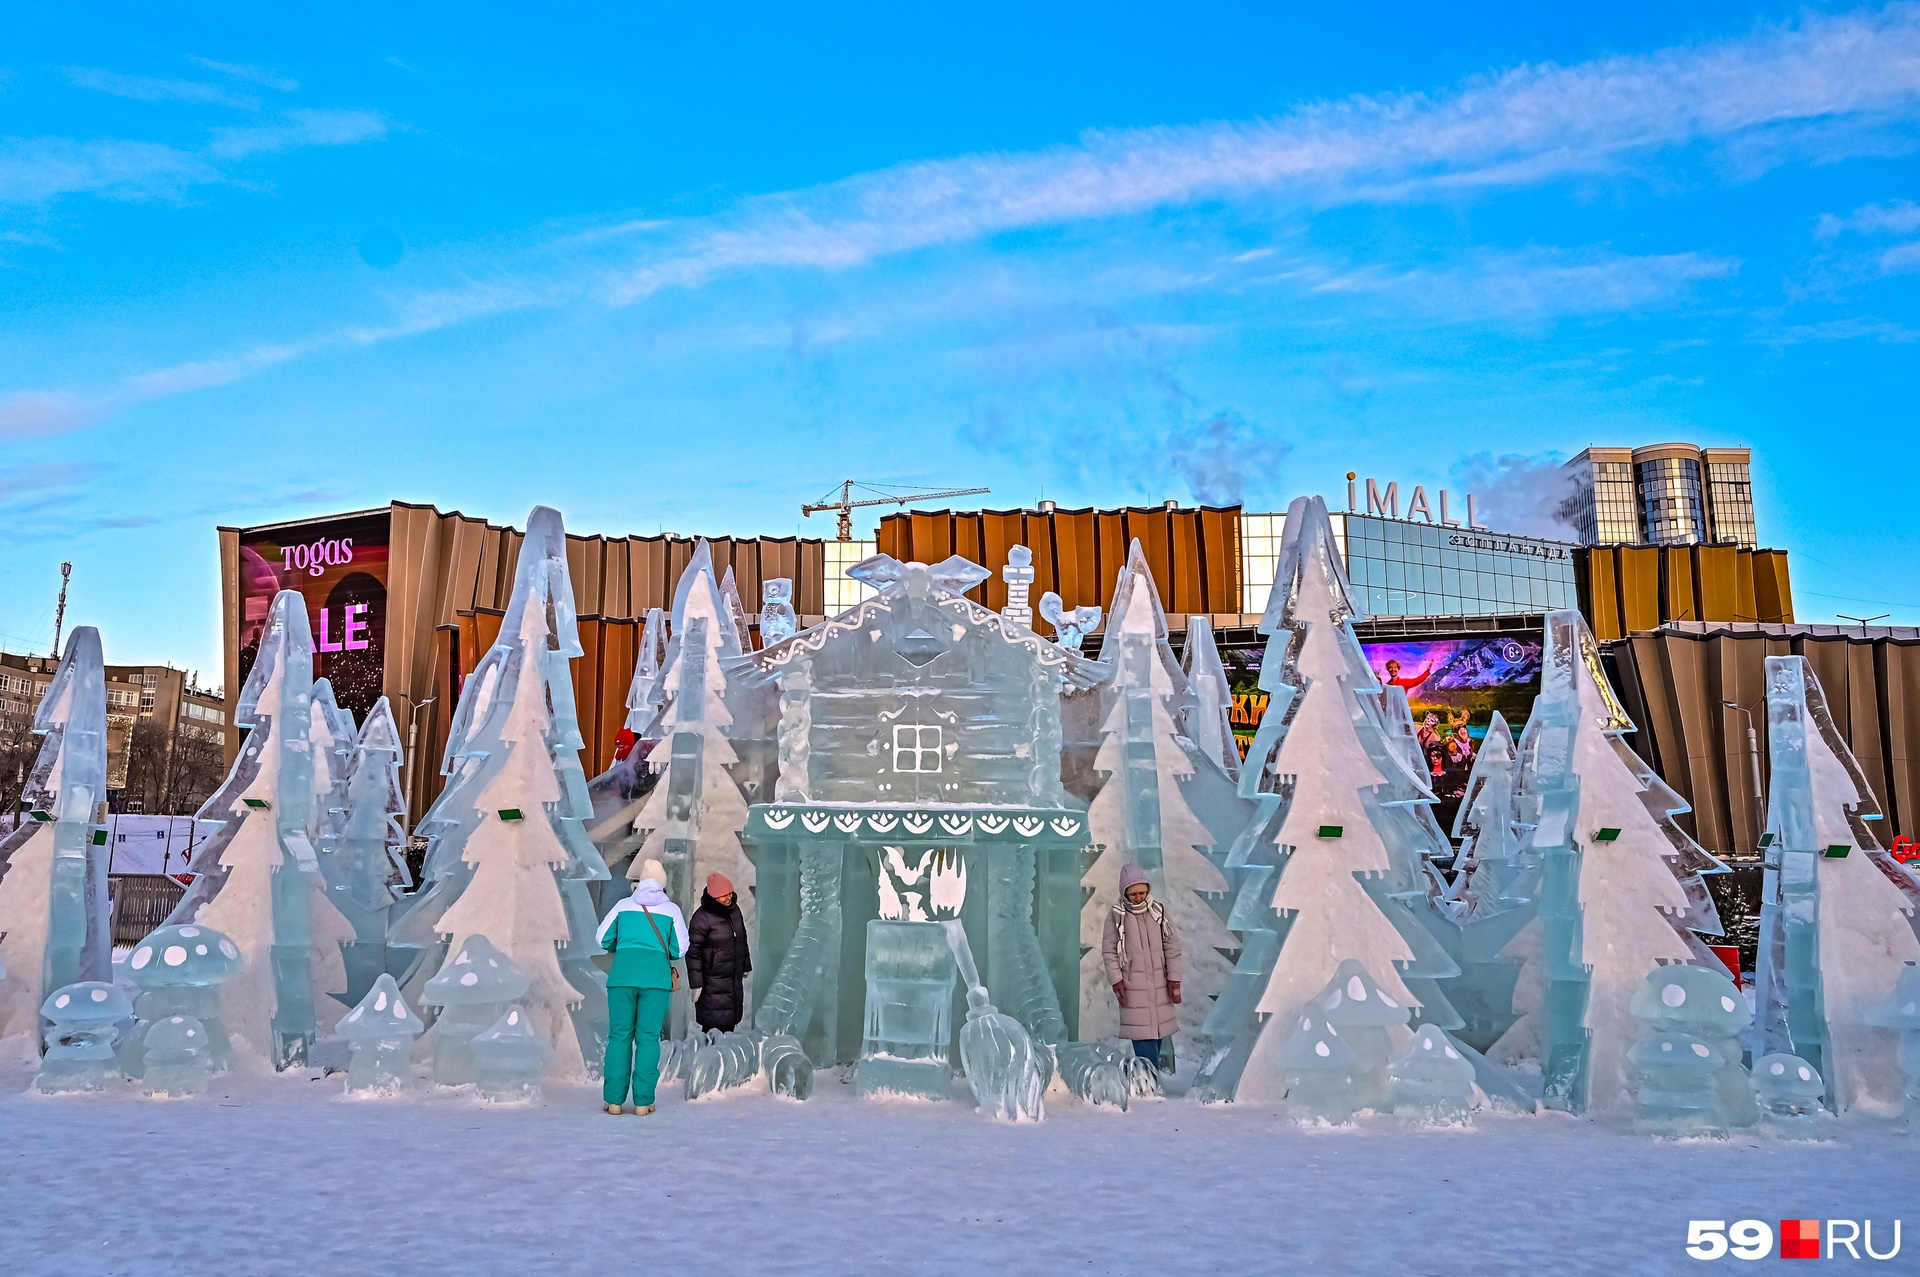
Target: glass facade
<point>840,590</point>
<point>1730,503</point>
<point>1402,568</point>
<point>1672,502</point>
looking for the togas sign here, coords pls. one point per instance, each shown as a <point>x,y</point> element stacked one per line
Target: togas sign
<point>315,558</point>
<point>1385,502</point>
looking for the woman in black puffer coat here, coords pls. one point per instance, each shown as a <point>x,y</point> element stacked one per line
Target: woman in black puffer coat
<point>717,957</point>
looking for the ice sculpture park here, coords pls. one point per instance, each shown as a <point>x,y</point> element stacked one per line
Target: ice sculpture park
<point>932,817</point>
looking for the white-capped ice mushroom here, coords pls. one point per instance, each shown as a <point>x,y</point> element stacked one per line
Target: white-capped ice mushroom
<point>508,1058</point>
<point>381,1029</point>
<point>84,1022</point>
<point>184,955</point>
<point>473,988</point>
<point>477,973</point>
<point>1690,999</point>
<point>1787,1084</point>
<point>1677,1093</point>
<point>178,1057</point>
<point>1362,1012</point>
<point>179,971</point>
<point>1319,1070</point>
<point>1432,1080</point>
<point>1705,1002</point>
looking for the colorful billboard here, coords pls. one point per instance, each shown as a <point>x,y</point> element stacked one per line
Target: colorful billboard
<point>340,568</point>
<point>1453,684</point>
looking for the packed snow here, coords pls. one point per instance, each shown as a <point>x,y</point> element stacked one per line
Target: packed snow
<point>285,1174</point>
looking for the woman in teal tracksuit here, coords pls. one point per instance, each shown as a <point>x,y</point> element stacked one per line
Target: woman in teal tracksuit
<point>645,934</point>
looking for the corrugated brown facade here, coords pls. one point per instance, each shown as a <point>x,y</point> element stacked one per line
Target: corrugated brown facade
<point>1194,553</point>
<point>1628,588</point>
<point>449,578</point>
<point>1673,681</point>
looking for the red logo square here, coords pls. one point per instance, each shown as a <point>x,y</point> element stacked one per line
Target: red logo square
<point>1799,1239</point>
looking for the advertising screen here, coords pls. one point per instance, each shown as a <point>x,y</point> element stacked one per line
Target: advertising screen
<point>1453,684</point>
<point>340,568</point>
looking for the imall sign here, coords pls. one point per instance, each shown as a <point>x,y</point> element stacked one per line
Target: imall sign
<point>1386,503</point>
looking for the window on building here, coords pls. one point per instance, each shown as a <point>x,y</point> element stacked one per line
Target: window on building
<point>916,749</point>
<point>840,590</point>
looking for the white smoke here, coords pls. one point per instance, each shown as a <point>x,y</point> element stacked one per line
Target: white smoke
<point>1528,495</point>
<point>1221,457</point>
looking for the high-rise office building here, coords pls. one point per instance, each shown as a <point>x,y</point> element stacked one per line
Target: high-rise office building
<point>1664,494</point>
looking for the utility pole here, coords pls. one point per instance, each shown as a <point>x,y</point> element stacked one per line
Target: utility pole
<point>1753,757</point>
<point>60,613</point>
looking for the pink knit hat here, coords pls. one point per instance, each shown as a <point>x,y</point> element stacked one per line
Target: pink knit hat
<point>719,885</point>
<point>1130,875</point>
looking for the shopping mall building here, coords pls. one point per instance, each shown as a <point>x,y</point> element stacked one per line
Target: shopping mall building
<point>404,600</point>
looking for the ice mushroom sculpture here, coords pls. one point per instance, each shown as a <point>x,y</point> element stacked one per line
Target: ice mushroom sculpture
<point>83,1022</point>
<point>178,971</point>
<point>1679,1091</point>
<point>1788,1090</point>
<point>1704,1002</point>
<point>381,1029</point>
<point>179,1061</point>
<point>1432,1081</point>
<point>473,990</point>
<point>1319,1071</point>
<point>508,1058</point>
<point>1901,1013</point>
<point>1361,1013</point>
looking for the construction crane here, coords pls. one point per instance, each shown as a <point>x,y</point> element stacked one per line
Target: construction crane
<point>883,494</point>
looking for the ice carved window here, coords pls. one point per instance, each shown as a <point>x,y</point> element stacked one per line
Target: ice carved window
<point>916,749</point>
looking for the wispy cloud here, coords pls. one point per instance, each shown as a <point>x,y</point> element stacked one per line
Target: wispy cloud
<point>144,88</point>
<point>1902,217</point>
<point>251,74</point>
<point>1522,127</point>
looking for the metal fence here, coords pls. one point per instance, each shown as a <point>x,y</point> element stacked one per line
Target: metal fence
<point>141,902</point>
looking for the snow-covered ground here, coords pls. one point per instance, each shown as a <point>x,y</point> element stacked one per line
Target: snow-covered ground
<point>285,1175</point>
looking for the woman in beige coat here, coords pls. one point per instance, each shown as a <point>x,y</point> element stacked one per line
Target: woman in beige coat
<point>1141,953</point>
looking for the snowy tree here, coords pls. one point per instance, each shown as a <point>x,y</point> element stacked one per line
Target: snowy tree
<point>1838,913</point>
<point>1620,890</point>
<point>53,896</point>
<point>1326,871</point>
<point>368,860</point>
<point>258,878</point>
<point>696,812</point>
<point>1141,814</point>
<point>509,856</point>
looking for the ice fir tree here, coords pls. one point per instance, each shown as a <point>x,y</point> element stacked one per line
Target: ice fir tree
<point>1329,867</point>
<point>1838,914</point>
<point>1141,814</point>
<point>259,879</point>
<point>53,895</point>
<point>1620,890</point>
<point>509,857</point>
<point>367,861</point>
<point>695,814</point>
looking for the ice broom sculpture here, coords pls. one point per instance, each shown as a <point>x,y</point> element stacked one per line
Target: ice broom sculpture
<point>1838,914</point>
<point>1621,891</point>
<point>259,880</point>
<point>1326,870</point>
<point>1141,814</point>
<point>509,858</point>
<point>53,896</point>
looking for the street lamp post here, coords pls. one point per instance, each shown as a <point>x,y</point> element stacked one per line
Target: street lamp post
<point>1753,758</point>
<point>413,737</point>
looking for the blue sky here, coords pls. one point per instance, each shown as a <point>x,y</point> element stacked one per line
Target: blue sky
<point>685,272</point>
